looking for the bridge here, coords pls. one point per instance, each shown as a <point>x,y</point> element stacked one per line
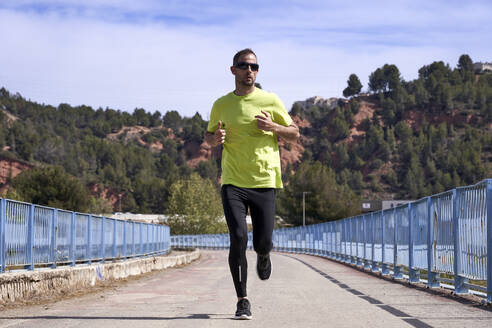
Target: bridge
<point>304,291</point>
<point>400,267</point>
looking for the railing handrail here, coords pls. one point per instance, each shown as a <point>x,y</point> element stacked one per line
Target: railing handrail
<point>32,234</point>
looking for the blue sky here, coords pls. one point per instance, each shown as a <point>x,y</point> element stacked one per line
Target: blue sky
<point>175,55</point>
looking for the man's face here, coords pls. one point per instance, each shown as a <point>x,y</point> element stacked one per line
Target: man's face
<point>245,76</point>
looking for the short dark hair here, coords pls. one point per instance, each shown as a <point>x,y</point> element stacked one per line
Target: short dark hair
<point>240,53</point>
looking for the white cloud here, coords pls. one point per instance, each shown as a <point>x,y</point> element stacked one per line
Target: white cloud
<point>122,66</point>
<point>175,55</point>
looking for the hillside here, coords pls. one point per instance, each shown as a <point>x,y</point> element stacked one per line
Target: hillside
<point>373,157</point>
<point>402,139</point>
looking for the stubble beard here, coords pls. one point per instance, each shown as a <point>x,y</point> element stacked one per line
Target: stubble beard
<point>246,83</point>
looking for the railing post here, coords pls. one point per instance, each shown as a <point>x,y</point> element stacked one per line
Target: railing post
<point>124,239</point>
<point>163,238</point>
<point>340,256</point>
<point>331,243</point>
<point>374,266</point>
<point>54,223</point>
<point>153,239</point>
<point>397,274</point>
<point>168,238</point>
<point>103,242</point>
<point>412,273</point>
<point>293,235</point>
<point>342,237</point>
<point>328,239</point>
<point>359,227</point>
<point>157,244</point>
<point>489,239</point>
<point>308,239</point>
<point>336,240</point>
<point>340,252</point>
<point>346,252</point>
<point>88,252</point>
<point>141,238</point>
<point>348,242</point>
<point>158,239</point>
<point>3,218</point>
<point>367,263</point>
<point>353,257</point>
<point>303,236</point>
<point>324,239</point>
<point>459,281</point>
<point>114,239</point>
<point>432,277</point>
<point>73,241</point>
<point>353,233</point>
<point>384,266</point>
<point>161,234</point>
<point>281,241</point>
<point>318,237</point>
<point>133,238</point>
<point>30,238</point>
<point>148,248</point>
<point>150,234</point>
<point>293,240</point>
<point>331,251</point>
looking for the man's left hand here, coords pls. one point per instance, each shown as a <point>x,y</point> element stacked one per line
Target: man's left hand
<point>265,123</point>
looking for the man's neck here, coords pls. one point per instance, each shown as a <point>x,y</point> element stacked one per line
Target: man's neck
<point>243,91</point>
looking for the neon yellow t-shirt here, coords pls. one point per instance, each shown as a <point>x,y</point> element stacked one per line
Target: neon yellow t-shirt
<point>250,158</point>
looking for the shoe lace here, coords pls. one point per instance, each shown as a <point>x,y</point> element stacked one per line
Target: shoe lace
<point>243,304</point>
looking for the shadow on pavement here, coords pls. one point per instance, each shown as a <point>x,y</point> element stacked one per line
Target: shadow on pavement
<point>54,317</point>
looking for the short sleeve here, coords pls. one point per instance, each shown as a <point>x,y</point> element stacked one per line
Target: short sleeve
<point>280,115</point>
<point>214,119</point>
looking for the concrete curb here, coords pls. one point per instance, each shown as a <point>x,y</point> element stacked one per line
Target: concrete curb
<point>25,285</point>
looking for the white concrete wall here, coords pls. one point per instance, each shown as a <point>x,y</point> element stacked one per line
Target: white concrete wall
<point>18,286</point>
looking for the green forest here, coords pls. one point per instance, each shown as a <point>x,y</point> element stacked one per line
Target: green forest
<point>424,136</point>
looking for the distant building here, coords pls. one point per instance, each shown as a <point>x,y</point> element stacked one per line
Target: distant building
<point>482,67</point>
<point>145,218</point>
<point>151,218</point>
<point>377,205</point>
<point>386,204</point>
<point>371,206</point>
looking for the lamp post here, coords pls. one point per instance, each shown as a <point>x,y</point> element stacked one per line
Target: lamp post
<point>304,207</point>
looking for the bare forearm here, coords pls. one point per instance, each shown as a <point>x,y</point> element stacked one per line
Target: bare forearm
<point>288,133</point>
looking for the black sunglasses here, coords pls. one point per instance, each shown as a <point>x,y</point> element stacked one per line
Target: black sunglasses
<point>244,65</point>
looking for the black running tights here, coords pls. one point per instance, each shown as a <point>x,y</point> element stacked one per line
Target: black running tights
<point>261,203</point>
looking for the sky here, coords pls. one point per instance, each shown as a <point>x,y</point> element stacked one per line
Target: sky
<point>176,55</point>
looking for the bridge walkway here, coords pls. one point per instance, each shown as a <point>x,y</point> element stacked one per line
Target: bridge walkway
<point>304,291</point>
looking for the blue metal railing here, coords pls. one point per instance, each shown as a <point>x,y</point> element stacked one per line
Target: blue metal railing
<point>33,235</point>
<point>416,237</point>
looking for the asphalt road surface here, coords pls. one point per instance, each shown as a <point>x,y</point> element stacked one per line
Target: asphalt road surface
<point>304,291</point>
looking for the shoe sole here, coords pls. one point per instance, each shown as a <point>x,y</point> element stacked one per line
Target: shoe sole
<point>244,317</point>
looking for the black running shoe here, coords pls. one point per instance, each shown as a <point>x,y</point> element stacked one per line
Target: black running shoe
<point>243,310</point>
<point>263,266</point>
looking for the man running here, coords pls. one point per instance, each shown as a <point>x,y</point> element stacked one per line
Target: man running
<point>247,123</point>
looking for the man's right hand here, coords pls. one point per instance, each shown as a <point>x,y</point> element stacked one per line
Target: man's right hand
<point>219,134</point>
<point>216,138</point>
